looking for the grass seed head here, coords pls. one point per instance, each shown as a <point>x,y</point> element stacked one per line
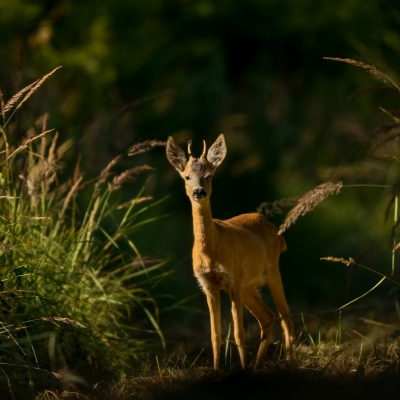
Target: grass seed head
<point>36,86</point>
<point>309,201</point>
<point>14,100</point>
<point>144,146</point>
<point>127,176</point>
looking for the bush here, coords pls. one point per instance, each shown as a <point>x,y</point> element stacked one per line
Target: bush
<point>72,284</point>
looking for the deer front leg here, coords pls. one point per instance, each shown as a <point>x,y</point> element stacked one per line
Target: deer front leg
<point>237,314</point>
<point>213,301</point>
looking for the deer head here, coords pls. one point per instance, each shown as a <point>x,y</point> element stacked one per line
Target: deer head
<point>197,172</point>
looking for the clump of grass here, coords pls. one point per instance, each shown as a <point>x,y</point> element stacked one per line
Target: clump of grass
<point>368,351</point>
<point>344,357</point>
<point>334,355</point>
<point>379,149</point>
<point>74,291</point>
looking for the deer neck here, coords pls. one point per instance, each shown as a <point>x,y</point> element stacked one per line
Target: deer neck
<point>203,227</point>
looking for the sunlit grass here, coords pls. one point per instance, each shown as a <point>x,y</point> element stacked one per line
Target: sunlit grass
<point>73,285</point>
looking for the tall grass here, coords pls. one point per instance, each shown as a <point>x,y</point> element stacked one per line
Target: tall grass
<point>381,147</point>
<point>73,286</point>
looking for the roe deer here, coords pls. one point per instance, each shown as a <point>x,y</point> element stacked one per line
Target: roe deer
<point>237,255</point>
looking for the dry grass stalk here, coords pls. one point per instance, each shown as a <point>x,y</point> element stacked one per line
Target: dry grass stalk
<point>309,201</point>
<point>105,173</point>
<point>35,219</point>
<point>393,195</point>
<point>36,86</point>
<point>383,141</point>
<point>144,146</point>
<point>54,321</point>
<point>373,150</point>
<point>139,262</point>
<point>52,151</point>
<point>134,202</point>
<point>43,169</point>
<point>396,247</point>
<point>127,176</point>
<point>271,208</point>
<point>370,68</point>
<point>2,105</point>
<point>43,143</point>
<point>92,221</point>
<point>26,143</point>
<point>63,148</point>
<point>379,324</point>
<point>40,177</point>
<point>6,246</point>
<point>14,100</point>
<point>73,190</point>
<point>388,113</point>
<point>342,260</point>
<point>77,171</point>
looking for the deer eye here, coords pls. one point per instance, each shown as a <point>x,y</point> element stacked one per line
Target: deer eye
<point>187,178</point>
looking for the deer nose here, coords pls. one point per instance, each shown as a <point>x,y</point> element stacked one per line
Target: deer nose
<point>199,193</point>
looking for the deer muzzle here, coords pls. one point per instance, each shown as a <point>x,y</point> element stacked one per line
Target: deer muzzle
<point>199,193</point>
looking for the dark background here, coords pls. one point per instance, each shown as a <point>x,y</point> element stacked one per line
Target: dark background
<point>254,70</point>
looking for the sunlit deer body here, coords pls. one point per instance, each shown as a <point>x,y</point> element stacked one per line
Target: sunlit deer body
<point>238,255</point>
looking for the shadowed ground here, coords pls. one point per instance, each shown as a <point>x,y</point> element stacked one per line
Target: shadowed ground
<point>287,385</point>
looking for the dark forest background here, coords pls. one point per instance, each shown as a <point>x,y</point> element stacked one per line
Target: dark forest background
<point>253,70</point>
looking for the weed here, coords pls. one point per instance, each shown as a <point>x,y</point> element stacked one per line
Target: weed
<point>378,148</point>
<point>73,294</point>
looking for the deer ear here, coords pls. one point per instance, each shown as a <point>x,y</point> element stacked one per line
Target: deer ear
<point>217,152</point>
<point>176,156</point>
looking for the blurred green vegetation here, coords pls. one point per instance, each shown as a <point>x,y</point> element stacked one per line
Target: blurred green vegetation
<point>135,70</point>
<point>74,289</point>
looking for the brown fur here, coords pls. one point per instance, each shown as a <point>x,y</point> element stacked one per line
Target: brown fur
<point>238,255</point>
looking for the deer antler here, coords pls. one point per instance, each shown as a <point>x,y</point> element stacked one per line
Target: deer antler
<point>190,148</point>
<point>203,155</point>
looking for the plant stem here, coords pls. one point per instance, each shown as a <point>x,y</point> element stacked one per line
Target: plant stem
<point>396,204</point>
<point>367,185</point>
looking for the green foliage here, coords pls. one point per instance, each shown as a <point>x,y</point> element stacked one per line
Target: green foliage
<point>253,70</point>
<point>381,147</point>
<point>74,289</point>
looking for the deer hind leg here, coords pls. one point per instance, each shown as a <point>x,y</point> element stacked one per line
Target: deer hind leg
<point>237,314</point>
<point>253,302</point>
<point>213,301</point>
<point>278,294</point>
